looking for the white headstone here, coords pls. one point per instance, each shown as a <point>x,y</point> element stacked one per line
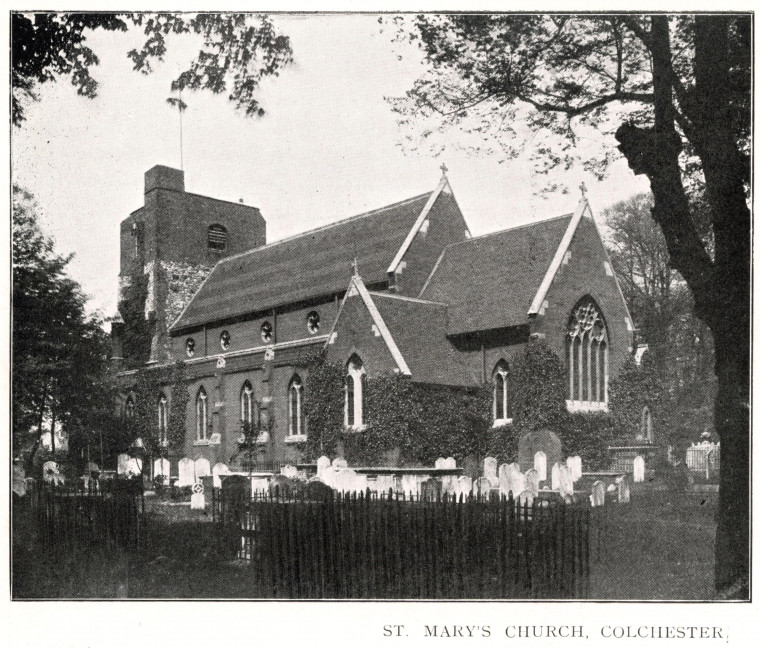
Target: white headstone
<point>449,462</point>
<point>161,468</point>
<point>565,480</point>
<point>440,462</point>
<point>384,483</point>
<point>576,467</point>
<point>539,463</point>
<point>358,483</point>
<point>217,471</point>
<point>291,472</point>
<point>198,498</point>
<point>328,476</point>
<point>186,469</point>
<point>322,463</point>
<point>597,493</point>
<point>516,479</point>
<point>339,463</point>
<point>259,485</point>
<point>449,484</point>
<point>202,468</point>
<point>490,466</point>
<point>555,476</point>
<point>639,466</point>
<point>527,497</point>
<point>464,485</point>
<point>345,480</point>
<point>624,489</point>
<point>531,480</point>
<point>134,467</point>
<point>504,483</point>
<point>482,486</point>
<point>410,484</point>
<point>121,463</point>
<point>19,480</point>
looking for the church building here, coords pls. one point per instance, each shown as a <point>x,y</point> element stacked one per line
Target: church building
<point>401,289</point>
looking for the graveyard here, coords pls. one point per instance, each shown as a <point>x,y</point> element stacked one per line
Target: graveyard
<point>334,531</point>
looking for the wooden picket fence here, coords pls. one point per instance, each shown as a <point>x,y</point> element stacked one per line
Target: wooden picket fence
<point>348,546</point>
<point>89,518</point>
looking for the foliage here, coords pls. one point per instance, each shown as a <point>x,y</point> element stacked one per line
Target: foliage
<point>59,352</point>
<point>238,52</point>
<point>137,332</point>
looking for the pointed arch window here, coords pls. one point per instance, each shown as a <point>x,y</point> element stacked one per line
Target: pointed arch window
<point>587,358</point>
<point>248,413</point>
<point>217,238</point>
<point>201,415</point>
<point>502,410</point>
<point>355,382</point>
<point>646,432</point>
<point>163,420</point>
<point>129,408</point>
<point>295,407</point>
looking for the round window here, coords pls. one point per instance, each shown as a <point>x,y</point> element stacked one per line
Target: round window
<point>266,332</point>
<point>312,322</point>
<point>224,340</point>
<point>190,347</point>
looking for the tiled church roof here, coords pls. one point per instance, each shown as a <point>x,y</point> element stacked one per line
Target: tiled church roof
<point>419,329</point>
<point>510,265</point>
<point>305,266</point>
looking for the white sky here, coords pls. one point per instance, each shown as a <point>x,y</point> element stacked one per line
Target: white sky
<point>328,147</point>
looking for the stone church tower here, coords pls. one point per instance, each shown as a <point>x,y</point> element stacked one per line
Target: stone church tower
<point>168,247</point>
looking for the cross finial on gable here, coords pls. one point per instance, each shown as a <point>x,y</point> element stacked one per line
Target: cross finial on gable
<point>583,189</point>
<point>444,168</point>
<point>355,266</point>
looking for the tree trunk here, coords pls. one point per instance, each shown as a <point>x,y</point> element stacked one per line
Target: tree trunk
<point>720,288</point>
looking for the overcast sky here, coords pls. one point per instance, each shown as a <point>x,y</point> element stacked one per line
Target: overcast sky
<point>328,147</point>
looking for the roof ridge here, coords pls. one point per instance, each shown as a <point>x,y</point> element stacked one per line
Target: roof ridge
<point>405,298</point>
<point>321,228</point>
<point>509,229</point>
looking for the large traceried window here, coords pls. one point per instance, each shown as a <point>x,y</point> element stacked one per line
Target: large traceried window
<point>502,411</point>
<point>247,405</point>
<point>587,358</point>
<point>129,408</point>
<point>646,433</point>
<point>201,415</point>
<point>356,378</point>
<point>163,420</point>
<point>295,407</point>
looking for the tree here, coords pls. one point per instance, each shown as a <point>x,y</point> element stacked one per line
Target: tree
<point>238,52</point>
<point>59,352</point>
<point>676,93</point>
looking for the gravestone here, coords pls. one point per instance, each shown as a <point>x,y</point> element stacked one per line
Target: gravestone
<point>385,483</point>
<point>449,462</point>
<point>19,481</point>
<point>539,463</point>
<point>440,463</point>
<point>639,467</point>
<point>464,485</point>
<point>470,467</point>
<point>291,472</point>
<point>431,489</point>
<point>202,468</point>
<point>490,466</point>
<point>516,479</point>
<point>410,484</point>
<point>449,484</point>
<point>575,465</point>
<point>328,476</point>
<point>623,489</point>
<point>198,498</point>
<point>597,493</point>
<point>322,463</point>
<point>161,468</point>
<point>134,467</point>
<point>555,476</point>
<point>217,471</point>
<point>121,463</point>
<point>482,487</point>
<point>531,480</point>
<point>186,468</point>
<point>339,463</point>
<point>533,442</point>
<point>259,484</point>
<point>565,485</point>
<point>527,497</point>
<point>345,480</point>
<point>281,486</point>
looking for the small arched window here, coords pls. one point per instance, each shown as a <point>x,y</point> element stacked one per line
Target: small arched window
<point>190,347</point>
<point>646,432</point>
<point>163,420</point>
<point>354,393</point>
<point>295,407</point>
<point>201,415</point>
<point>129,408</point>
<point>587,357</point>
<point>266,332</point>
<point>224,340</point>
<point>247,405</point>
<point>217,238</point>
<point>502,412</point>
<point>312,322</point>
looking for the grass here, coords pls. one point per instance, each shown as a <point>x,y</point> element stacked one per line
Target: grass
<point>660,547</point>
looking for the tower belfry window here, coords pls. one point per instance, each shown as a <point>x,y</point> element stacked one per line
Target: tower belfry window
<point>217,238</point>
